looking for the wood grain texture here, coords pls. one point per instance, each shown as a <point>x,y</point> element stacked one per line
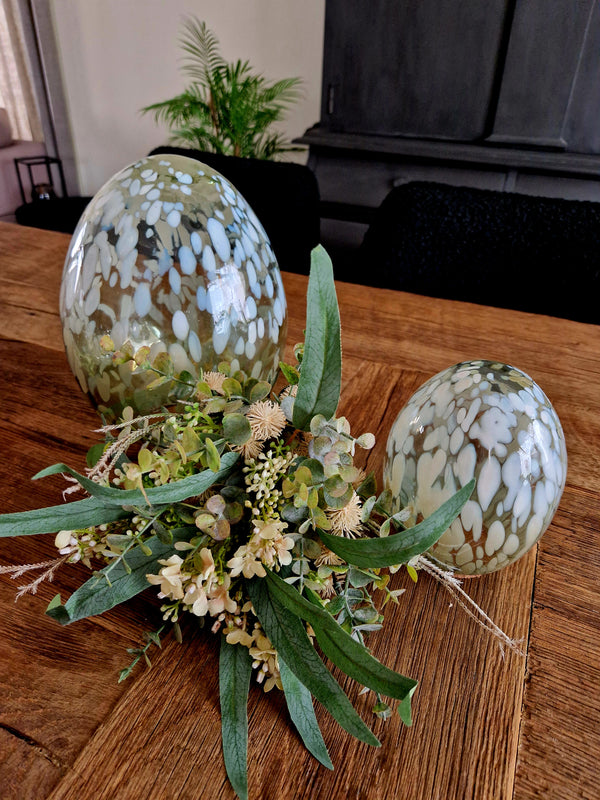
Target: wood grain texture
<point>486,727</point>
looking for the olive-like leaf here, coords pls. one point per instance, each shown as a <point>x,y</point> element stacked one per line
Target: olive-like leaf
<point>345,652</point>
<point>321,372</point>
<point>235,669</point>
<point>67,516</point>
<point>404,709</point>
<point>302,712</point>
<point>168,493</point>
<point>289,637</point>
<point>399,547</point>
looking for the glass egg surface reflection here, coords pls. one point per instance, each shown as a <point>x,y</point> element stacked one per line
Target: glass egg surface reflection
<point>489,421</point>
<point>168,258</point>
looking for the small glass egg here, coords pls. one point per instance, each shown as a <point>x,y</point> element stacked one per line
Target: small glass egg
<point>491,422</point>
<point>168,262</point>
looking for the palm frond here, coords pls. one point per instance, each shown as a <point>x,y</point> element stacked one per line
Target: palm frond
<point>201,138</point>
<point>202,48</point>
<point>286,92</point>
<point>188,105</point>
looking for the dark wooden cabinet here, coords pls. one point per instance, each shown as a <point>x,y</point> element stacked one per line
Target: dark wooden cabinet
<point>500,94</point>
<point>550,84</point>
<point>404,68</point>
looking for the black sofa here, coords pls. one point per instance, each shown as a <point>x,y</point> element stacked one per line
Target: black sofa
<point>502,249</point>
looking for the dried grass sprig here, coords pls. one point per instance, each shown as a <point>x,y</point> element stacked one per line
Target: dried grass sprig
<point>119,425</point>
<point>49,567</point>
<point>102,469</point>
<point>453,586</point>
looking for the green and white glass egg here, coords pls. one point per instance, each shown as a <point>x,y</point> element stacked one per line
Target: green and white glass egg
<point>491,422</point>
<point>168,258</point>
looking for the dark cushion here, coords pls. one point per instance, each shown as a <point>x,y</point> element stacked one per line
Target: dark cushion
<point>284,196</point>
<point>57,214</point>
<point>497,248</point>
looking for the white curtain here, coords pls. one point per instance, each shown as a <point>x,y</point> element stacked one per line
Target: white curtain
<point>16,90</point>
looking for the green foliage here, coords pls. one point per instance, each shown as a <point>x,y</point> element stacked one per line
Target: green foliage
<point>400,547</point>
<point>344,651</point>
<point>235,668</point>
<point>321,372</point>
<point>69,516</point>
<point>150,638</point>
<point>227,108</point>
<point>117,582</point>
<point>289,637</point>
<point>404,709</point>
<point>302,713</point>
<point>243,507</point>
<point>160,495</point>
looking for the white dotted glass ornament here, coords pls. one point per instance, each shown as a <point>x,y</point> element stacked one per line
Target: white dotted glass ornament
<point>491,422</point>
<point>168,258</point>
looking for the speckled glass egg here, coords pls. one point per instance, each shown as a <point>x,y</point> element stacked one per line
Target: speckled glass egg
<point>491,422</point>
<point>168,258</point>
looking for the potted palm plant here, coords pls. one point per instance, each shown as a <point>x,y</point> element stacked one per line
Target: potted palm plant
<point>227,108</point>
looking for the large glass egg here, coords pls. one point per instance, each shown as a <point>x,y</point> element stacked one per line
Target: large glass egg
<point>491,422</point>
<point>168,258</point>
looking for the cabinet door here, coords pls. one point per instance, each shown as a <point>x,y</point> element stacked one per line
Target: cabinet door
<point>412,67</point>
<point>550,94</point>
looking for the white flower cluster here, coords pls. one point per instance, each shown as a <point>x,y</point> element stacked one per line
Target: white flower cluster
<point>267,548</point>
<point>202,593</point>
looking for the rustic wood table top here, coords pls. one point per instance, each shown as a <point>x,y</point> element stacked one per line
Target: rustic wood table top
<point>485,726</point>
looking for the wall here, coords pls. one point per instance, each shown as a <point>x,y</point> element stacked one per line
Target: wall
<point>117,56</point>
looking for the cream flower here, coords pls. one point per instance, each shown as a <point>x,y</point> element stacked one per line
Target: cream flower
<point>78,546</point>
<point>266,419</point>
<point>66,542</point>
<point>219,599</point>
<point>208,563</point>
<point>244,561</point>
<point>170,578</point>
<point>264,659</point>
<point>346,521</point>
<point>239,636</point>
<point>195,597</point>
<point>269,543</point>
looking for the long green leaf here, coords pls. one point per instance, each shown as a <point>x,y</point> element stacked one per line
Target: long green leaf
<point>302,712</point>
<point>235,668</point>
<point>98,595</point>
<point>289,637</point>
<point>321,371</point>
<point>404,709</point>
<point>68,517</point>
<point>168,493</point>
<point>399,547</point>
<point>346,653</point>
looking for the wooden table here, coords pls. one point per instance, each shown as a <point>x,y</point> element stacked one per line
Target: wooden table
<point>485,726</point>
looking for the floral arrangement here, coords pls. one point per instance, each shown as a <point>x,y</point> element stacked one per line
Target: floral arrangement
<point>242,506</point>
